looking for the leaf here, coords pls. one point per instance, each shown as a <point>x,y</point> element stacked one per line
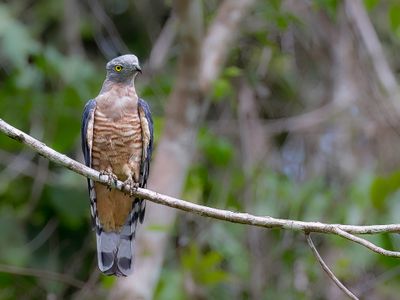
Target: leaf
<point>217,149</point>
<point>108,281</point>
<point>211,259</point>
<point>221,89</point>
<point>330,6</point>
<point>371,4</point>
<point>232,71</point>
<point>394,18</point>
<point>215,277</point>
<point>382,187</point>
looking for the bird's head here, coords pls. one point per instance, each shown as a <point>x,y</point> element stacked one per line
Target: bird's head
<point>123,68</point>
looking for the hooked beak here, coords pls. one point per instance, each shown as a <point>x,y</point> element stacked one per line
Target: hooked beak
<point>139,69</point>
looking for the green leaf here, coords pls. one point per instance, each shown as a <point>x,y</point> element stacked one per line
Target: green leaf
<point>222,88</point>
<point>394,18</point>
<point>217,149</point>
<point>211,259</point>
<point>158,228</point>
<point>215,277</point>
<point>330,6</point>
<point>108,281</point>
<point>232,71</point>
<point>371,4</point>
<point>382,187</point>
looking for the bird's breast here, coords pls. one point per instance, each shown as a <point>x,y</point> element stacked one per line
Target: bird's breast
<point>116,141</point>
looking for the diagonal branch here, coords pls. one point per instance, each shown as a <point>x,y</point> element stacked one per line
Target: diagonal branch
<point>327,270</point>
<point>367,244</point>
<point>220,214</point>
<point>345,231</point>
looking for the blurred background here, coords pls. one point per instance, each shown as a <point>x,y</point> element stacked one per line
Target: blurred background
<point>283,108</point>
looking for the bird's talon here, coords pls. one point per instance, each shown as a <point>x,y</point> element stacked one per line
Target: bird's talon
<point>111,177</point>
<point>131,185</point>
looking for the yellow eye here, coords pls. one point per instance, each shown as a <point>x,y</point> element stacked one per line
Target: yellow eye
<point>118,68</point>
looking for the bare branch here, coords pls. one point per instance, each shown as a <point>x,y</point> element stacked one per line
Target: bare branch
<point>220,214</point>
<point>327,270</point>
<point>346,231</point>
<point>366,243</point>
<point>117,45</point>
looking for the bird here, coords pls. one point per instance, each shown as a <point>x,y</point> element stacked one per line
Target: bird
<point>117,140</point>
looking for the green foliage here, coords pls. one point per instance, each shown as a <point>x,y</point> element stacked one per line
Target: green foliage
<point>330,6</point>
<point>371,4</point>
<point>17,42</point>
<point>43,92</point>
<point>277,16</point>
<point>222,87</point>
<point>218,151</point>
<point>12,238</point>
<point>394,18</point>
<point>382,187</point>
<point>44,212</point>
<point>170,285</point>
<point>204,268</point>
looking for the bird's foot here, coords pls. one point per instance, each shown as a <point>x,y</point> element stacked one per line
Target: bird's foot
<point>111,178</point>
<point>131,185</point>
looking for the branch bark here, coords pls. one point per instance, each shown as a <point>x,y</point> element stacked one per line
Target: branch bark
<point>345,231</point>
<point>205,211</point>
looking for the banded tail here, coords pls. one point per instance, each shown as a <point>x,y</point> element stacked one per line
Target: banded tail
<point>115,251</point>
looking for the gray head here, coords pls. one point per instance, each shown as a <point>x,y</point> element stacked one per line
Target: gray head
<point>123,68</point>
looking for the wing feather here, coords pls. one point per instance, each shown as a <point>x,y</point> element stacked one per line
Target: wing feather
<point>146,121</point>
<point>87,142</point>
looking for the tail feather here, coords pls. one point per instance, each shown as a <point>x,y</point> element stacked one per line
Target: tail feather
<point>115,250</point>
<point>107,246</point>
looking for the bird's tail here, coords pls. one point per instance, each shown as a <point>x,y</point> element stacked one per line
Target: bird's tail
<point>115,250</point>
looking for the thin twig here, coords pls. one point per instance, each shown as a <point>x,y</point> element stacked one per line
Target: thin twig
<point>42,236</point>
<point>118,45</point>
<point>42,274</point>
<point>327,270</point>
<point>366,243</point>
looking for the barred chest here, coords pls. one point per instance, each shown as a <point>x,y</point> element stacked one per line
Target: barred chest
<point>117,136</point>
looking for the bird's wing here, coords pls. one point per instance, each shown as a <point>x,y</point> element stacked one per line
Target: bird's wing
<point>87,142</point>
<point>146,121</point>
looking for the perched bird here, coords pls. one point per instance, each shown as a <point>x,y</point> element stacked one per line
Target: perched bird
<point>117,140</point>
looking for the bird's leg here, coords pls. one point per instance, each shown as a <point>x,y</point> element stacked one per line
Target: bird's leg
<point>132,185</point>
<point>111,177</point>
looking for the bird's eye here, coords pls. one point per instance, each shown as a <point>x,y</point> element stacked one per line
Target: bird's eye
<point>118,68</point>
